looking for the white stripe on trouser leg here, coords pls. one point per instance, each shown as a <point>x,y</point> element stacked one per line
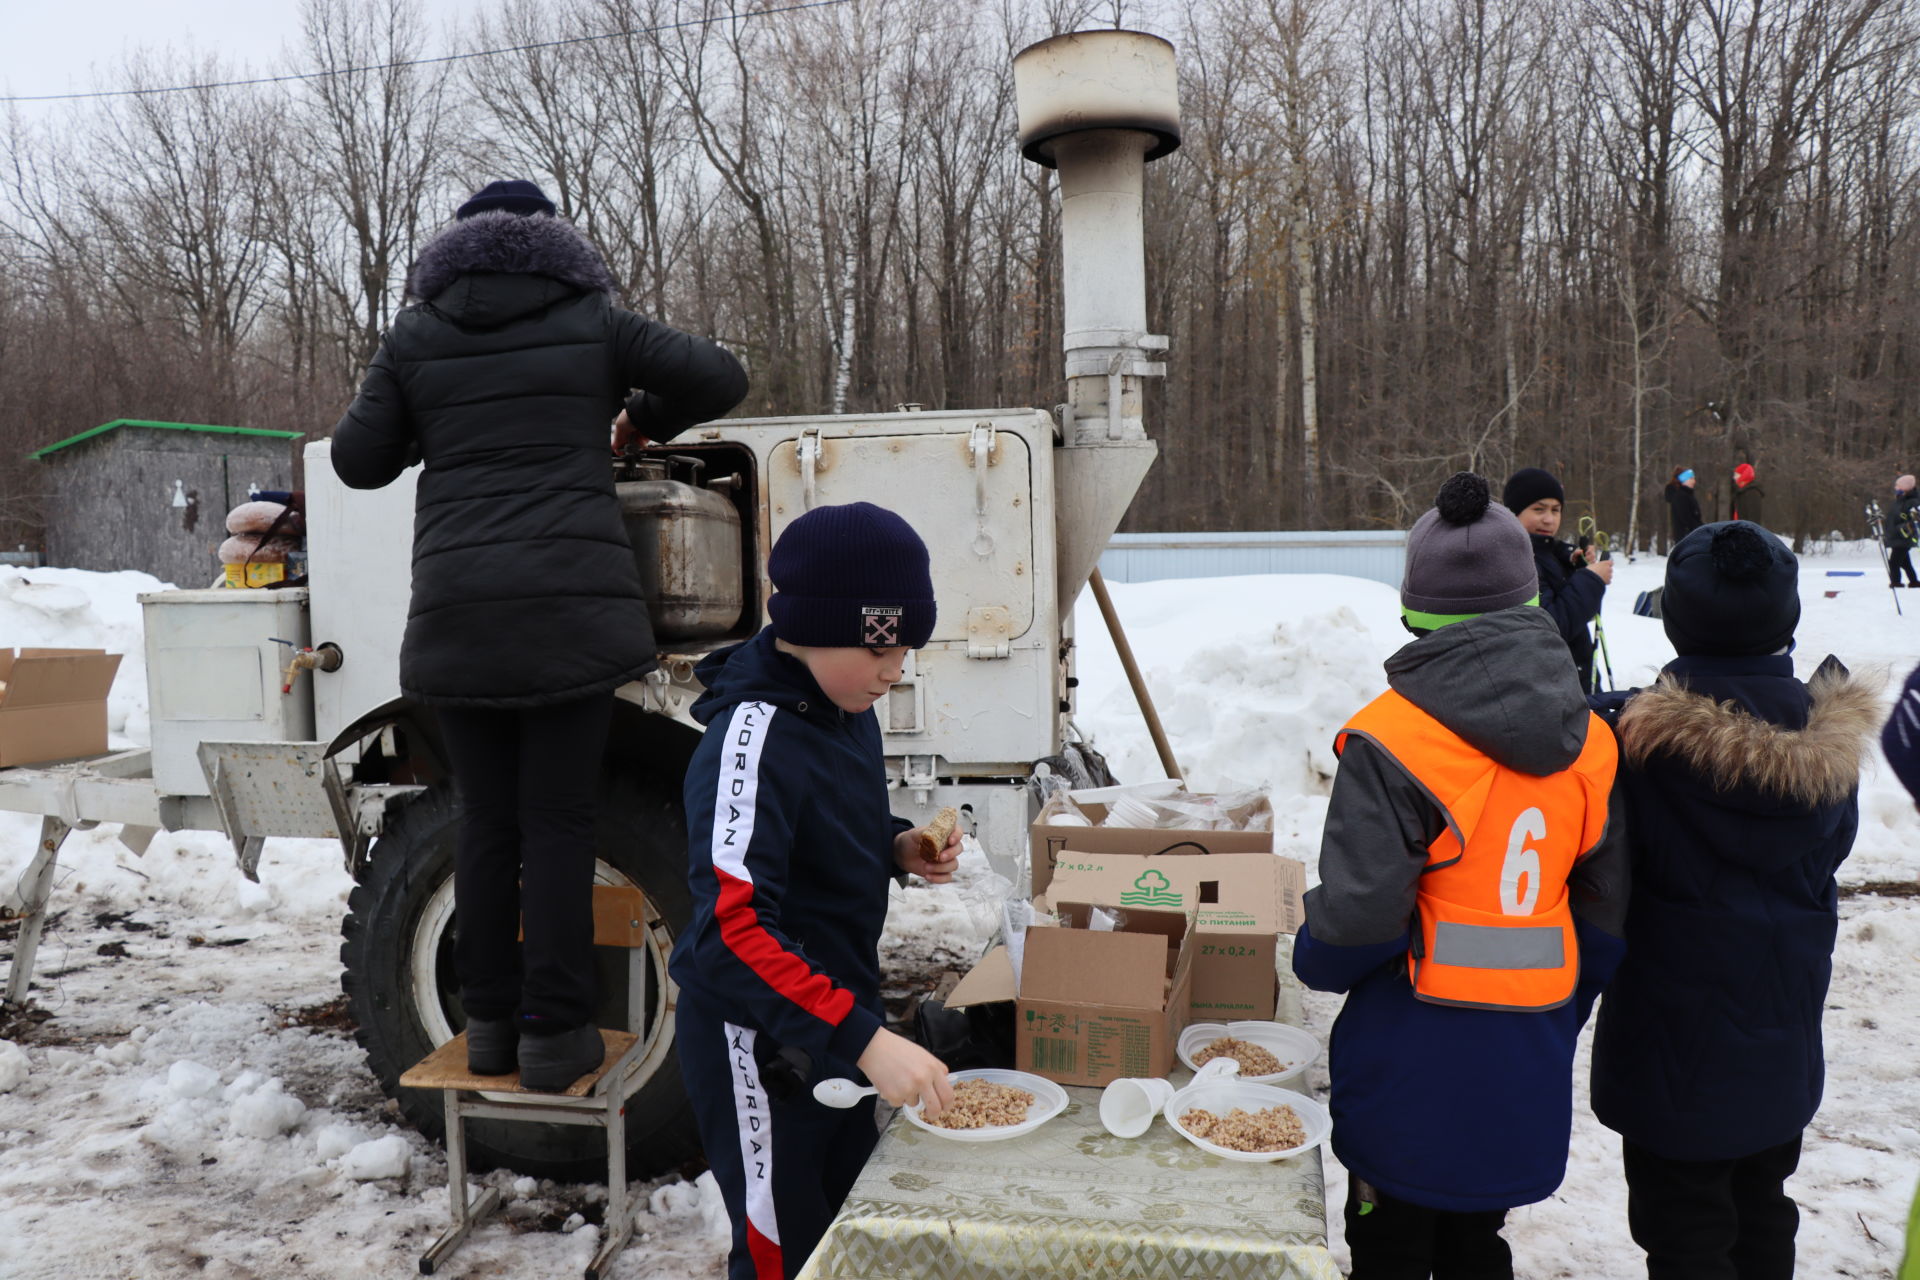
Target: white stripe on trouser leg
<point>755,1121</point>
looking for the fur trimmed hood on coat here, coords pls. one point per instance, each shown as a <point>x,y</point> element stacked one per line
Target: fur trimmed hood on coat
<point>509,244</point>
<point>1730,748</point>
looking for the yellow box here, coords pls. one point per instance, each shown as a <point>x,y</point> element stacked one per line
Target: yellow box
<point>255,575</point>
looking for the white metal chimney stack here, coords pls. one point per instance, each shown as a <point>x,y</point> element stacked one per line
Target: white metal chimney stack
<point>1097,106</point>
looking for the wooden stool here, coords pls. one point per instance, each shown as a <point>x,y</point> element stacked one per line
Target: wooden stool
<point>598,1098</point>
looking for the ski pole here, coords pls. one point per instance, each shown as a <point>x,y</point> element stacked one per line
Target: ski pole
<point>1592,533</point>
<point>1876,526</point>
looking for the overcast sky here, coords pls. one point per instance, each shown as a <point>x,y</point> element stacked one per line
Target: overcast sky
<point>66,46</point>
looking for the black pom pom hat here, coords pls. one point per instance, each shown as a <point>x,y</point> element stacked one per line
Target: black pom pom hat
<point>1466,557</point>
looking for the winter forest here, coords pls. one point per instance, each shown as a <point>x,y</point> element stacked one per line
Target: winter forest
<point>1403,237</point>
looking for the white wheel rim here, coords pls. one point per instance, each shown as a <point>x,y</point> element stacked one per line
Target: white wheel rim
<point>424,950</point>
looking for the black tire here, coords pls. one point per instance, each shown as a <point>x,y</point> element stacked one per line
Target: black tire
<point>393,937</point>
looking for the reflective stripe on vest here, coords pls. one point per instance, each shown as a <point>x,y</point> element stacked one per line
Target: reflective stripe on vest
<point>1495,924</point>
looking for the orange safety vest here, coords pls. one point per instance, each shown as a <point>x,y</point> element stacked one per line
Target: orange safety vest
<point>1495,927</point>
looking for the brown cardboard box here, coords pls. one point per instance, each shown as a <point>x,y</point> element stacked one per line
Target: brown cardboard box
<point>55,704</point>
<point>1045,841</point>
<point>1242,903</point>
<point>1093,1006</point>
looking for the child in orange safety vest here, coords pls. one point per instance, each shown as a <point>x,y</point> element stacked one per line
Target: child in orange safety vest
<point>1470,906</point>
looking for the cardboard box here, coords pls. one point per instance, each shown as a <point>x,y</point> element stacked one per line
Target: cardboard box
<point>1242,902</point>
<point>55,704</point>
<point>1093,1006</point>
<point>1046,841</point>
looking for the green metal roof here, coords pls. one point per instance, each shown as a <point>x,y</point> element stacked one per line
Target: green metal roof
<point>105,427</point>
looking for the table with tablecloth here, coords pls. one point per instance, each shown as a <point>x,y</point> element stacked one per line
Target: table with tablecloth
<point>1069,1199</point>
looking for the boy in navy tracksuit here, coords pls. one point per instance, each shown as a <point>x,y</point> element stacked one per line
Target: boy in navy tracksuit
<point>791,848</point>
<point>1740,794</point>
<point>1469,906</point>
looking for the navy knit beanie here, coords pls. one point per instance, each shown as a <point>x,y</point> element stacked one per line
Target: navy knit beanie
<point>513,196</point>
<point>1733,590</point>
<point>851,576</point>
<point>1529,485</point>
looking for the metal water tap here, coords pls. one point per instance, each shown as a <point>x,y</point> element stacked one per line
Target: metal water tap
<point>306,658</point>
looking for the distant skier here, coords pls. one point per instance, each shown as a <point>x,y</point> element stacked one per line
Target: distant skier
<point>1747,495</point>
<point>1683,506</point>
<point>1902,531</point>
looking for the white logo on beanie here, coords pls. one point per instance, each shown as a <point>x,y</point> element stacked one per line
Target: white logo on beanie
<point>881,627</point>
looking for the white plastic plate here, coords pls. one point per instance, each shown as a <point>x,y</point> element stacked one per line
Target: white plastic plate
<point>1291,1045</point>
<point>1049,1100</point>
<point>1222,1096</point>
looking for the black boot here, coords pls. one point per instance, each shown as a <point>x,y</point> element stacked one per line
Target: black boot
<point>548,1064</point>
<point>490,1045</point>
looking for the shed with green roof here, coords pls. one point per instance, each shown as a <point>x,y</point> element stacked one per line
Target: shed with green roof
<point>154,496</point>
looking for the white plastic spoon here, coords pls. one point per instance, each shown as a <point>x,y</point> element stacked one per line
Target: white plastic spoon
<point>841,1092</point>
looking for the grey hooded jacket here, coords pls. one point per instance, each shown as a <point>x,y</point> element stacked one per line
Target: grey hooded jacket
<point>504,382</point>
<point>1504,683</point>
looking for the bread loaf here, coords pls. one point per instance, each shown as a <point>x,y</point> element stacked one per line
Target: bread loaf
<point>934,836</point>
<point>258,517</point>
<point>251,548</point>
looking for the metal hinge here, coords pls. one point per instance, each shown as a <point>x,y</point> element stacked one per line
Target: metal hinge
<point>811,463</point>
<point>990,631</point>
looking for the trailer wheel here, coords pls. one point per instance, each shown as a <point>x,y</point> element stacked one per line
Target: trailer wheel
<point>397,958</point>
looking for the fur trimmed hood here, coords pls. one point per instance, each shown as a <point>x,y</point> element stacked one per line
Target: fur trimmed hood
<point>509,244</point>
<point>1732,749</point>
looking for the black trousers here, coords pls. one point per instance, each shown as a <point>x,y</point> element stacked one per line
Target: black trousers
<point>784,1162</point>
<point>1714,1219</point>
<point>1396,1240</point>
<point>1899,558</point>
<point>528,783</point>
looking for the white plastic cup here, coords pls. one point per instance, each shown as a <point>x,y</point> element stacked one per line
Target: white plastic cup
<point>1128,1105</point>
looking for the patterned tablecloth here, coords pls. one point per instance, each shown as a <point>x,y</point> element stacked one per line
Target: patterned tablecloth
<point>1069,1199</point>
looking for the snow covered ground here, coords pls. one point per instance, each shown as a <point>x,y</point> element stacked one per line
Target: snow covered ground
<point>192,1106</point>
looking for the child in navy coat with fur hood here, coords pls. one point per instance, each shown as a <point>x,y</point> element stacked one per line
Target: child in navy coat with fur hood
<point>1740,788</point>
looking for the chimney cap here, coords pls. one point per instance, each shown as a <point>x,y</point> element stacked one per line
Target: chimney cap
<point>1085,80</point>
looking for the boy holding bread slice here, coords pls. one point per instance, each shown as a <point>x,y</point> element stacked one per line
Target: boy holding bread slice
<point>791,845</point>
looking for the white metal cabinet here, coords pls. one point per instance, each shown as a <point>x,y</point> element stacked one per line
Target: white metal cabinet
<point>214,663</point>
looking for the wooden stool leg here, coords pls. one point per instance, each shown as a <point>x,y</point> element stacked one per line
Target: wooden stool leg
<point>619,1212</point>
<point>464,1215</point>
<point>36,887</point>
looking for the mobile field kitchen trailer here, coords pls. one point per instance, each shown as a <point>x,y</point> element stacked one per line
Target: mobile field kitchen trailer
<point>276,712</point>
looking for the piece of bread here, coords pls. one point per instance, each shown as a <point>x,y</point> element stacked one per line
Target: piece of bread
<point>934,836</point>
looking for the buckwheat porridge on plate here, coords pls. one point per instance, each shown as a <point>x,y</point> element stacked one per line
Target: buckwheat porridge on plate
<point>1268,1129</point>
<point>1253,1060</point>
<point>981,1104</point>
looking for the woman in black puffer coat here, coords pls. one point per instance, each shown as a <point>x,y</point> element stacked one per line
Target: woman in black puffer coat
<point>527,609</point>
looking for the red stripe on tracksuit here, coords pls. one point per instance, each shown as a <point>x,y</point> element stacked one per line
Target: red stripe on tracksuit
<point>761,952</point>
<point>767,1262</point>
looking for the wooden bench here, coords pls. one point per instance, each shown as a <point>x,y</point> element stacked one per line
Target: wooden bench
<point>598,1098</point>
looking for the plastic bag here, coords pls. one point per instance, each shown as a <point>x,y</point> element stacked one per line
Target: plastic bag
<point>981,890</point>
